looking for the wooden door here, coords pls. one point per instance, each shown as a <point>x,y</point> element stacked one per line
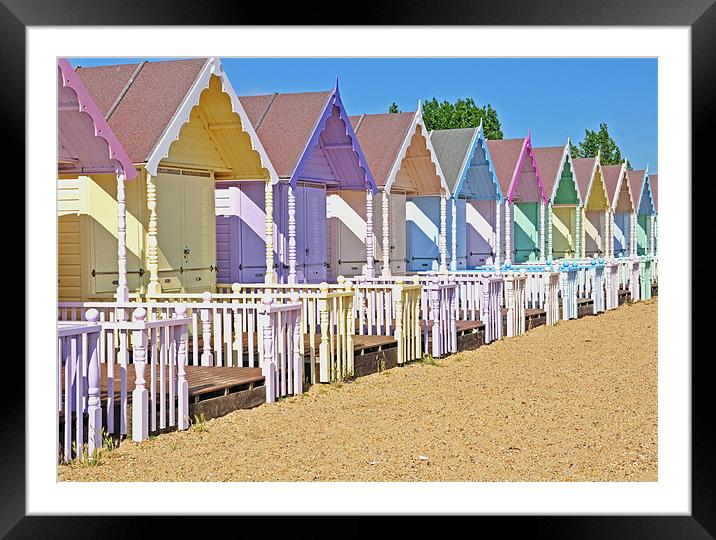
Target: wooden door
<point>423,233</point>
<point>346,213</point>
<point>526,232</point>
<point>198,226</point>
<point>252,243</point>
<point>480,232</point>
<point>311,234</point>
<point>398,236</point>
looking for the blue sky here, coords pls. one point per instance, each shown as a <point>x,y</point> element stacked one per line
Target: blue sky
<point>555,98</point>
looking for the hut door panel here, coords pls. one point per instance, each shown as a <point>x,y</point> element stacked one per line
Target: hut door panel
<point>423,231</point>
<point>311,253</point>
<point>642,234</point>
<point>621,233</point>
<point>199,233</point>
<point>526,232</point>
<point>103,234</point>
<point>397,233</point>
<point>347,215</point>
<point>480,232</point>
<point>461,206</point>
<point>227,234</point>
<point>564,224</point>
<point>593,231</point>
<point>252,233</point>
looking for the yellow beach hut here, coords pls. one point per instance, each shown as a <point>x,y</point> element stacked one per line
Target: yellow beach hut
<point>183,128</point>
<point>594,211</point>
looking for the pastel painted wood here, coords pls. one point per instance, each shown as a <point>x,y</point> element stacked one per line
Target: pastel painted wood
<point>174,133</point>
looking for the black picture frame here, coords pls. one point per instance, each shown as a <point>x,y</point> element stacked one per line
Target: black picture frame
<point>700,15</point>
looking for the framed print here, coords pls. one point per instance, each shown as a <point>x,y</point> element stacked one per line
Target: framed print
<point>261,227</point>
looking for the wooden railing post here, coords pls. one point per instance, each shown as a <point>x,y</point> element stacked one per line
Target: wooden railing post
<point>398,295</point>
<point>94,408</point>
<point>349,314</point>
<point>207,358</point>
<point>415,299</point>
<point>268,365</point>
<point>140,424</point>
<point>434,299</point>
<point>181,336</point>
<point>297,351</point>
<point>485,307</point>
<point>452,312</point>
<point>324,354</point>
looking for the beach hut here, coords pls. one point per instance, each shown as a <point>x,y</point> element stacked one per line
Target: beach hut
<point>406,170</point>
<point>645,210</point>
<point>557,172</point>
<point>654,182</point>
<point>525,199</point>
<point>594,214</point>
<point>621,209</point>
<point>87,145</point>
<point>475,195</point>
<point>322,170</point>
<point>183,128</point>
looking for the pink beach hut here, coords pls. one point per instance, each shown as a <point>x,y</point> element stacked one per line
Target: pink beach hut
<point>525,200</point>
<point>87,145</point>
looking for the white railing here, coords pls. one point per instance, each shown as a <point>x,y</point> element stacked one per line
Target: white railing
<point>159,345</point>
<point>327,320</point>
<point>568,290</point>
<point>645,279</point>
<point>598,288</point>
<point>515,300</point>
<point>391,309</point>
<point>78,385</point>
<point>634,287</point>
<point>551,304</point>
<point>492,294</point>
<point>611,284</point>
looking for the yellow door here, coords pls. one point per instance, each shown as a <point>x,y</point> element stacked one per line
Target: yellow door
<point>102,223</point>
<point>198,233</point>
<point>169,229</point>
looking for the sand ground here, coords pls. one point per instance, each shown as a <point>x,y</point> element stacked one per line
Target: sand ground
<point>573,402</point>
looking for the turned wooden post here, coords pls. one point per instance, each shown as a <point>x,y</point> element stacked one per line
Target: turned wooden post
<point>122,289</point>
<point>369,255</point>
<point>270,276</point>
<point>140,421</point>
<point>291,236</point>
<point>443,233</point>
<point>453,239</point>
<point>181,335</point>
<point>207,358</point>
<point>386,233</point>
<point>541,231</point>
<point>154,286</point>
<point>548,256</point>
<point>323,352</point>
<point>578,232</point>
<point>349,313</point>
<point>434,300</point>
<point>398,295</point>
<point>297,351</point>
<point>452,313</point>
<point>94,408</point>
<point>508,234</point>
<point>268,364</point>
<point>498,232</point>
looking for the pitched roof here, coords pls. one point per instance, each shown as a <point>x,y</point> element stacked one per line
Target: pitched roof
<point>451,147</point>
<point>583,170</point>
<point>654,181</point>
<point>381,136</point>
<point>549,159</point>
<point>84,139</point>
<point>505,153</point>
<point>610,173</point>
<point>285,123</point>
<point>144,105</point>
<point>636,180</point>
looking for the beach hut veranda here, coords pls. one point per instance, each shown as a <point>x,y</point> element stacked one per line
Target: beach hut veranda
<point>645,211</point>
<point>621,209</point>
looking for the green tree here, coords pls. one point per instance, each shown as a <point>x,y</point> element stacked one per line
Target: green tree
<point>463,113</point>
<point>599,142</point>
<point>393,108</point>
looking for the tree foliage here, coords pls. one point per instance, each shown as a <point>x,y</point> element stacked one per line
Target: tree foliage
<point>464,113</point>
<point>599,142</point>
<point>393,108</point>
